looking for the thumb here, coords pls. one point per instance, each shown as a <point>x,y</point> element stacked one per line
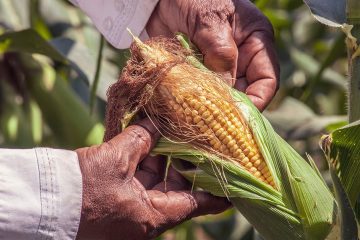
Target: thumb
<point>219,49</point>
<point>134,143</point>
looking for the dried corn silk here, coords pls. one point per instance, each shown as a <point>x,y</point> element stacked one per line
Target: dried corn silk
<point>187,104</point>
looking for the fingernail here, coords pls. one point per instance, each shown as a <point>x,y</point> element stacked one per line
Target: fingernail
<point>149,126</point>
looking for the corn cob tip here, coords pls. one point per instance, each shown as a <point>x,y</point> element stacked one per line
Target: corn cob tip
<point>132,35</point>
<point>137,40</point>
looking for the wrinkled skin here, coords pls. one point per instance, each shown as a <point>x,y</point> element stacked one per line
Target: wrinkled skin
<point>235,38</point>
<point>124,194</point>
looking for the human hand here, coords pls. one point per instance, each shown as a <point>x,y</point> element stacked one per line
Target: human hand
<point>235,38</point>
<point>121,202</point>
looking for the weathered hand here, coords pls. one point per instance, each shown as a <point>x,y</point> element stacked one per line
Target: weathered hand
<point>235,38</point>
<point>124,196</point>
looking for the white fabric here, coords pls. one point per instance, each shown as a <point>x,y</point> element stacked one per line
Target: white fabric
<point>41,189</point>
<point>112,17</point>
<point>40,194</point>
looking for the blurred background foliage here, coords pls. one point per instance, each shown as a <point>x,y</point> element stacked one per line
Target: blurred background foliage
<point>55,69</point>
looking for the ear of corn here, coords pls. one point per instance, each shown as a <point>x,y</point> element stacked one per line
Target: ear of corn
<point>220,124</point>
<point>301,206</point>
<point>236,152</point>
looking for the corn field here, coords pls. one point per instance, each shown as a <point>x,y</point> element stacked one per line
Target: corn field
<point>297,164</point>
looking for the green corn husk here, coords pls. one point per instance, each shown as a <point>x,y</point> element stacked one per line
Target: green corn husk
<point>300,207</point>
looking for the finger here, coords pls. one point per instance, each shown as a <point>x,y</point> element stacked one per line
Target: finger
<point>219,49</point>
<point>156,27</point>
<point>259,67</point>
<point>173,182</point>
<point>178,206</point>
<point>134,144</point>
<point>151,171</point>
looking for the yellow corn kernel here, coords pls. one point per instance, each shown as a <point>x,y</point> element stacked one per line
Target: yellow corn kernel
<point>223,127</point>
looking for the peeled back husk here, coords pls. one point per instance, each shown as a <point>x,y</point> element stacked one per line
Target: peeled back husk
<point>281,194</point>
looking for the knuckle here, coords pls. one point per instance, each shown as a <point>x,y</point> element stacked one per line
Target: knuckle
<point>109,154</point>
<point>206,13</point>
<point>221,58</point>
<point>140,137</point>
<point>191,207</point>
<point>224,49</point>
<point>123,167</point>
<point>193,203</point>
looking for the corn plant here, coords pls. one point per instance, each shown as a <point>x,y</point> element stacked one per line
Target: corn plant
<point>280,193</point>
<point>341,146</point>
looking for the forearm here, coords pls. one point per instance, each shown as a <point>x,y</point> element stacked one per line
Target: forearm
<point>112,18</point>
<point>40,194</point>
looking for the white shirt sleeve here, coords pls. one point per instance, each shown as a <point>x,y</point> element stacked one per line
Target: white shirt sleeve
<point>40,194</point>
<point>112,17</point>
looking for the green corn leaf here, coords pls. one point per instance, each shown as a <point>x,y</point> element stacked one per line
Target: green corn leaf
<point>342,151</point>
<point>347,221</point>
<point>57,102</point>
<point>29,41</point>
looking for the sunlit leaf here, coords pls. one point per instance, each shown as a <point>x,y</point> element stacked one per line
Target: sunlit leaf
<point>16,119</point>
<point>96,80</point>
<point>343,153</point>
<point>37,21</point>
<point>29,41</point>
<point>305,28</point>
<point>14,15</point>
<point>295,120</point>
<point>332,127</point>
<point>83,61</point>
<point>337,50</point>
<point>62,109</point>
<point>278,18</point>
<point>347,222</point>
<point>311,67</point>
<point>332,13</point>
<point>36,122</point>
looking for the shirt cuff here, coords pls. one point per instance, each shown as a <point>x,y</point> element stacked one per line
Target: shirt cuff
<point>113,17</point>
<point>61,193</point>
<point>40,194</point>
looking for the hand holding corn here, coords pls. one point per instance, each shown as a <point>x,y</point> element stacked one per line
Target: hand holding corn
<point>235,38</point>
<point>122,203</point>
<point>236,41</point>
